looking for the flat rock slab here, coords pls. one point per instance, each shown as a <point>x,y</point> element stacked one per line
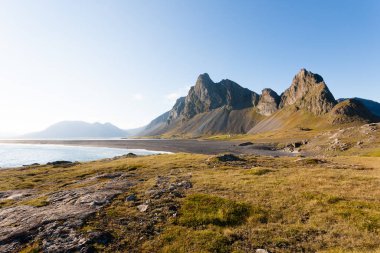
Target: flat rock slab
<point>57,223</point>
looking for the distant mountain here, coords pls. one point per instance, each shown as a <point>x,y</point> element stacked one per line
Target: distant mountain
<point>78,129</point>
<point>227,108</point>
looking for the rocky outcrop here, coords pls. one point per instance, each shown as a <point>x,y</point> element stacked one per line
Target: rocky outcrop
<point>57,223</point>
<point>268,103</point>
<point>177,109</point>
<point>308,91</point>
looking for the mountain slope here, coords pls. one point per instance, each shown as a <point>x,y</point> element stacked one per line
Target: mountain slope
<point>351,110</point>
<point>372,106</point>
<point>79,129</point>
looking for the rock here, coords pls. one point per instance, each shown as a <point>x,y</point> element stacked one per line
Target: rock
<point>58,222</point>
<point>16,194</point>
<point>306,129</point>
<point>131,197</point>
<point>261,251</point>
<point>336,144</point>
<point>33,164</point>
<point>172,187</point>
<point>295,146</point>
<point>59,163</point>
<point>156,193</point>
<point>228,158</point>
<point>245,144</point>
<point>101,237</point>
<point>142,208</point>
<point>173,208</point>
<point>268,103</point>
<point>185,184</point>
<point>177,194</point>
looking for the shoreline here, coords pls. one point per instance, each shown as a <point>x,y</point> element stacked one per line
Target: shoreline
<point>175,146</point>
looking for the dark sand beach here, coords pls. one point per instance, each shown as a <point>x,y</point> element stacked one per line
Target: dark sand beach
<point>188,146</point>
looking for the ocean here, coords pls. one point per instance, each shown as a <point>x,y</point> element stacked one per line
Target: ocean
<point>16,155</point>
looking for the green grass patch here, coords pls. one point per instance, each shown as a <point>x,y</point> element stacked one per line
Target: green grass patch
<point>374,153</point>
<point>202,209</point>
<point>6,202</point>
<point>37,202</point>
<point>363,215</point>
<point>180,239</point>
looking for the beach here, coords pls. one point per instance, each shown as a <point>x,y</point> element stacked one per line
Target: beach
<point>169,145</point>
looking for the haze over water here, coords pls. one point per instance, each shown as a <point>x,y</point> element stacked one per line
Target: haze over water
<point>15,155</point>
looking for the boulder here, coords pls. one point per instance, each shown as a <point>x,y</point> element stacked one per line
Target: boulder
<point>142,208</point>
<point>228,158</point>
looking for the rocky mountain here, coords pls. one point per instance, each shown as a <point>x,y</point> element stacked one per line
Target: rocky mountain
<point>269,102</point>
<point>308,91</point>
<point>206,95</point>
<point>226,107</point>
<point>78,129</point>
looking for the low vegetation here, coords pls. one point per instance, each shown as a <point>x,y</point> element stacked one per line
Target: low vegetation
<point>278,204</point>
<point>202,209</point>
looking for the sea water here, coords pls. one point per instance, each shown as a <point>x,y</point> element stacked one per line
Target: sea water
<point>16,155</point>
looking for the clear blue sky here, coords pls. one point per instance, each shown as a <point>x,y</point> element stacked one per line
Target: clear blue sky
<point>125,61</point>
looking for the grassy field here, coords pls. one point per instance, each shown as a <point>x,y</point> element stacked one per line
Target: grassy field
<point>278,204</point>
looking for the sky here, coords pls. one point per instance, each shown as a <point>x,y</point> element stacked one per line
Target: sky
<point>126,62</point>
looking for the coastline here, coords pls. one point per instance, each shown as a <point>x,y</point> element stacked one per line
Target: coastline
<point>187,146</point>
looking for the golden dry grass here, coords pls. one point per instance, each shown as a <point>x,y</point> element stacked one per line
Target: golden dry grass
<point>297,206</point>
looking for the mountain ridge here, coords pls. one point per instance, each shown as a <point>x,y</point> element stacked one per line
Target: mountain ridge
<point>226,107</point>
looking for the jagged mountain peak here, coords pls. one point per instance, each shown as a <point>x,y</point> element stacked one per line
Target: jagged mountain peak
<point>203,79</point>
<point>304,73</point>
<point>269,91</point>
<point>207,95</point>
<point>308,91</point>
